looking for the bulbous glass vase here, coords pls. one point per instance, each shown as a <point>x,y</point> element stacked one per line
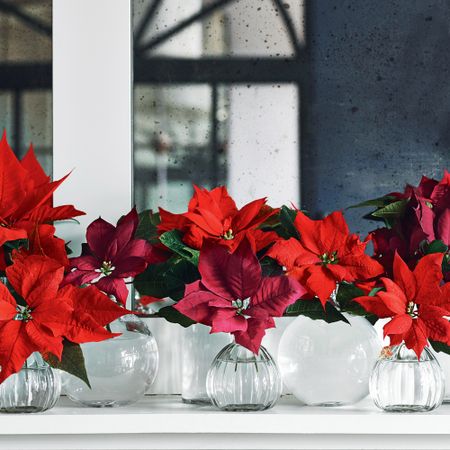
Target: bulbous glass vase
<point>199,348</point>
<point>328,364</point>
<point>35,388</point>
<point>444,361</point>
<point>401,382</point>
<point>239,380</point>
<point>120,370</point>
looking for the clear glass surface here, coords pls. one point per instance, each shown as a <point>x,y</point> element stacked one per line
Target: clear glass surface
<point>400,382</point>
<point>239,380</point>
<point>35,388</point>
<point>198,352</point>
<point>444,361</point>
<point>120,370</point>
<point>328,364</point>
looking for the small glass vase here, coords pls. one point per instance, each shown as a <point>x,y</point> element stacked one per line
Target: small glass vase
<point>328,364</point>
<point>35,388</point>
<point>239,380</point>
<point>444,361</point>
<point>402,383</point>
<point>120,370</point>
<point>199,348</point>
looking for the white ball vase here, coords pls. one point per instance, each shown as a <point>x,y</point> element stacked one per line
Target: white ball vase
<point>328,364</point>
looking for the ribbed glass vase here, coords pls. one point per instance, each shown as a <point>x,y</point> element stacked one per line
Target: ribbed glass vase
<point>401,382</point>
<point>239,380</point>
<point>35,388</point>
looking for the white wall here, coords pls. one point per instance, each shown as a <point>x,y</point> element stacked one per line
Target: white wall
<point>92,109</point>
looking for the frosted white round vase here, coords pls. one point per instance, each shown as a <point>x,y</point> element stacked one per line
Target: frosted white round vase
<point>328,364</point>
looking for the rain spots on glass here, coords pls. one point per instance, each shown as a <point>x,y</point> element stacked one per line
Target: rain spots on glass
<point>26,81</point>
<point>214,100</point>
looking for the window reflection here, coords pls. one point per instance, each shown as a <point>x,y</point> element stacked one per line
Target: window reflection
<point>25,76</point>
<point>216,99</point>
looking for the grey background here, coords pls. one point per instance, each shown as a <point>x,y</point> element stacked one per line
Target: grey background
<point>378,112</point>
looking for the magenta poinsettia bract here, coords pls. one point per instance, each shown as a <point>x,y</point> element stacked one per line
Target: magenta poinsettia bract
<point>233,296</point>
<point>111,255</point>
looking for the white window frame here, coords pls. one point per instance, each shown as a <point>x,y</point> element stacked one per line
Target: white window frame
<point>92,109</point>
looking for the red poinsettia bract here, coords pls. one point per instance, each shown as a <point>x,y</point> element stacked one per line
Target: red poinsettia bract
<point>415,302</point>
<point>111,255</point>
<point>26,208</point>
<point>213,215</point>
<point>325,254</point>
<point>46,313</point>
<point>233,296</point>
<point>426,218</point>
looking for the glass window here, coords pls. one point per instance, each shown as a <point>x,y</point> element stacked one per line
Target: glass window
<point>216,99</point>
<point>26,76</point>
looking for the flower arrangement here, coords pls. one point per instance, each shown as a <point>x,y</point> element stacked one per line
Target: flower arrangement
<point>41,310</point>
<point>291,252</point>
<point>413,247</point>
<point>231,269</point>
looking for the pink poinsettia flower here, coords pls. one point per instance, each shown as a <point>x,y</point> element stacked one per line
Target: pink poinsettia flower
<point>233,296</point>
<point>111,255</point>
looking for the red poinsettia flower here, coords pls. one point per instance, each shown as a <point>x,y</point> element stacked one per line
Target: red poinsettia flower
<point>26,203</point>
<point>111,255</point>
<point>213,215</point>
<point>46,314</point>
<point>233,297</point>
<point>416,303</point>
<point>426,218</point>
<point>325,254</point>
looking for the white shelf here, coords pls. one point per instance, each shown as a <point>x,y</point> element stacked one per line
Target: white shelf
<point>165,422</point>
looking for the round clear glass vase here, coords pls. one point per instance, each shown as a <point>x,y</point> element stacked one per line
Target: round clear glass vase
<point>402,383</point>
<point>35,388</point>
<point>444,361</point>
<point>328,364</point>
<point>239,380</point>
<point>199,348</point>
<point>120,370</point>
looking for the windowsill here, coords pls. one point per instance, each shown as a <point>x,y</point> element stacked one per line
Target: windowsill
<point>165,422</point>
<point>168,414</point>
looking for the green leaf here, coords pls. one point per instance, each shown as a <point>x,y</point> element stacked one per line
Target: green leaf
<point>390,213</point>
<point>344,298</point>
<point>16,245</point>
<point>287,219</point>
<point>375,291</point>
<point>72,361</point>
<point>436,246</point>
<point>172,240</point>
<point>314,310</point>
<point>167,279</point>
<point>172,315</point>
<point>440,347</point>
<point>270,268</point>
<point>147,226</point>
<point>379,202</point>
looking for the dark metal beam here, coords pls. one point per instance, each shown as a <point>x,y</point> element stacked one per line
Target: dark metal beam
<point>17,122</point>
<point>218,70</point>
<point>26,18</point>
<point>214,145</point>
<point>205,11</point>
<point>290,27</point>
<point>146,21</point>
<point>25,76</point>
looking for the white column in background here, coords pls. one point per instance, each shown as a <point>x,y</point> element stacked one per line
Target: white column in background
<point>92,109</point>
